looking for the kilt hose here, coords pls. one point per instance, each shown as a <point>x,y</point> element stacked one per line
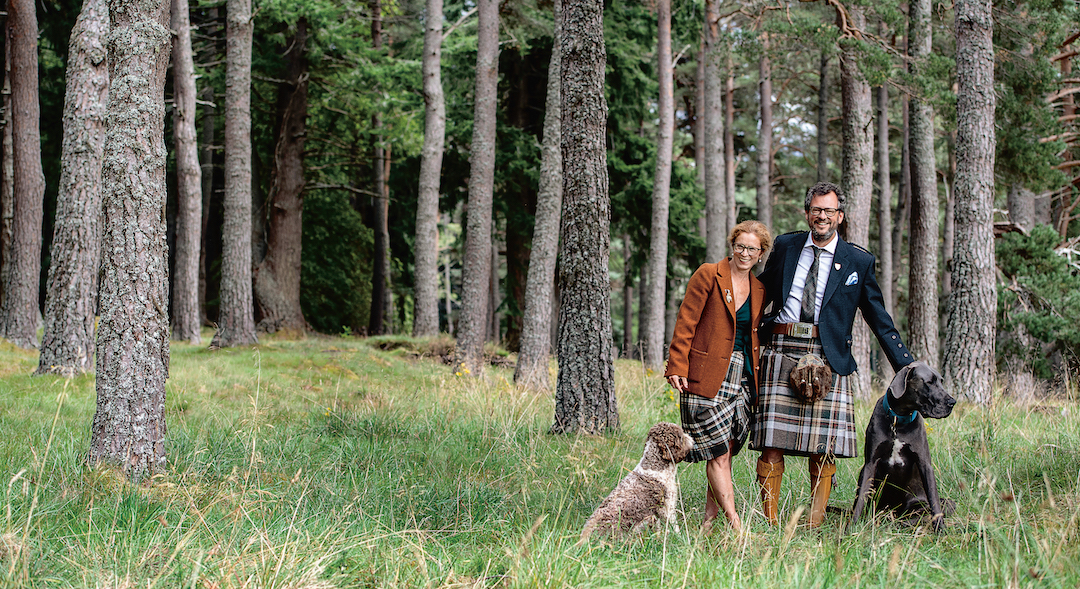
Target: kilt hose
<point>784,422</point>
<point>720,423</point>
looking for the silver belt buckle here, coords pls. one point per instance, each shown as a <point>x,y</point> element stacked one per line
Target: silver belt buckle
<point>803,330</point>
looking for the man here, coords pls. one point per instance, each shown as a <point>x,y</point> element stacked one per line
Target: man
<point>813,311</point>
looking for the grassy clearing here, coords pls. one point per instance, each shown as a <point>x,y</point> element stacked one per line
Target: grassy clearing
<point>331,462</point>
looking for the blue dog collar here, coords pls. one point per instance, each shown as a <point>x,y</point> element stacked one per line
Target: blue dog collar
<point>897,419</point>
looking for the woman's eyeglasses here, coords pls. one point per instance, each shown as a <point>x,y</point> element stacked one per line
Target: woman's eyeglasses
<point>740,248</point>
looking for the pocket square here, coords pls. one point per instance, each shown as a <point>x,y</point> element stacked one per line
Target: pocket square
<point>852,278</point>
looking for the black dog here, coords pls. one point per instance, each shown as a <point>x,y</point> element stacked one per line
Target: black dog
<point>897,454</point>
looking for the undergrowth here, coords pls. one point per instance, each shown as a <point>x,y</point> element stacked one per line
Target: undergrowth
<point>341,462</point>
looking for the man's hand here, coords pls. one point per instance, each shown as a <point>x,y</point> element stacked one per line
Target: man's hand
<point>679,383</point>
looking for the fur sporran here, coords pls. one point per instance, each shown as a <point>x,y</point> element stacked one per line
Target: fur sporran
<point>810,378</point>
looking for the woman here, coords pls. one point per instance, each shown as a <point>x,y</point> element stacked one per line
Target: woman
<point>713,361</point>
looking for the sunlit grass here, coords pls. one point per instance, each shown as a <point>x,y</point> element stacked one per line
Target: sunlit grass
<point>333,462</point>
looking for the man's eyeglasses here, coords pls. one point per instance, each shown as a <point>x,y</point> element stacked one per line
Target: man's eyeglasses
<point>830,213</point>
<point>740,248</point>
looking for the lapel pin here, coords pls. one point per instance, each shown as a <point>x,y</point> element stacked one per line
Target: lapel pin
<point>727,295</point>
<point>837,266</point>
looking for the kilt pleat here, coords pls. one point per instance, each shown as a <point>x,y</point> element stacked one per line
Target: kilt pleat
<point>720,423</point>
<point>785,422</point>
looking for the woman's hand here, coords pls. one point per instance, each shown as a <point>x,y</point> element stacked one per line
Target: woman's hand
<point>679,383</point>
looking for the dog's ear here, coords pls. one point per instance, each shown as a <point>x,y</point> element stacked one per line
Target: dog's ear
<point>898,386</point>
<point>669,439</point>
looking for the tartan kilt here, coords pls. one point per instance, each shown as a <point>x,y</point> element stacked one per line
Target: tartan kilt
<point>783,421</point>
<point>720,423</point>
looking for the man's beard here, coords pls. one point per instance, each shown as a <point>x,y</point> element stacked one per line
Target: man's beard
<point>827,236</point>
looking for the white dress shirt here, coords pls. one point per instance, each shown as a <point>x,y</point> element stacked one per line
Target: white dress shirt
<point>793,305</point>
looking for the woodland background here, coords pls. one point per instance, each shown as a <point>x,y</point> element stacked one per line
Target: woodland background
<point>337,123</point>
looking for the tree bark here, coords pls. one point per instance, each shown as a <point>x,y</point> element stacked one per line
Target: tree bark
<point>885,244</point>
<point>585,394</point>
<point>715,199</point>
<point>764,147</point>
<point>658,231</point>
<point>277,278</point>
<point>472,324</point>
<point>823,118</point>
<point>187,319</point>
<point>969,336</point>
<point>628,300</point>
<point>1021,206</point>
<point>236,318</point>
<point>903,197</point>
<point>858,178</point>
<point>426,263</point>
<point>133,335</point>
<point>699,117</point>
<point>532,365</point>
<point>730,206</point>
<point>207,162</point>
<point>19,311</point>
<point>923,239</point>
<point>7,172</point>
<point>381,318</point>
<point>67,346</point>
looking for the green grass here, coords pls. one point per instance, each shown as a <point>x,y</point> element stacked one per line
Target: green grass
<point>330,462</point>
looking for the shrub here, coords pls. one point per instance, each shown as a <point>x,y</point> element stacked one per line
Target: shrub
<point>1038,304</point>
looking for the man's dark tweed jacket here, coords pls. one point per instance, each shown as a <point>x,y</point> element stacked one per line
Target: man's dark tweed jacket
<point>851,286</point>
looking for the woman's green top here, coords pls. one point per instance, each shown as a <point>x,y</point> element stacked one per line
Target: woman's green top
<point>742,336</point>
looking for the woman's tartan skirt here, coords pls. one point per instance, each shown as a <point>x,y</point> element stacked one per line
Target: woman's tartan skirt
<point>783,421</point>
<point>721,423</point>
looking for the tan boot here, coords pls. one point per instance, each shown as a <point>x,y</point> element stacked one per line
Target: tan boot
<point>821,472</point>
<point>769,475</point>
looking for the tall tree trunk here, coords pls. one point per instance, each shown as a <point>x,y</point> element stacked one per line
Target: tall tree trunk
<point>476,269</point>
<point>699,116</point>
<point>7,172</point>
<point>585,394</point>
<point>885,244</point>
<point>969,337</point>
<point>658,232</point>
<point>185,293</point>
<point>426,248</point>
<point>494,295</point>
<point>1021,206</point>
<point>67,346</point>
<point>948,239</point>
<point>729,148</point>
<point>923,239</point>
<point>532,365</point>
<point>381,307</point>
<point>207,163</point>
<point>858,178</point>
<point>133,335</point>
<point>628,300</point>
<point>19,311</point>
<point>236,318</point>
<point>715,199</point>
<point>763,179</point>
<point>823,118</point>
<point>277,278</point>
<point>903,197</point>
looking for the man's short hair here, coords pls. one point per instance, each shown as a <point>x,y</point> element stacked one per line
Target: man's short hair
<point>821,189</point>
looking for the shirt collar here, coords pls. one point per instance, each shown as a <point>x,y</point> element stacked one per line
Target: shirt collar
<point>829,247</point>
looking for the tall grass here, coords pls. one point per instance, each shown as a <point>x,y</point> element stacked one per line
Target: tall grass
<point>330,462</point>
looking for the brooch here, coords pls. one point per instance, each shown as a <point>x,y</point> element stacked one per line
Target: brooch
<point>727,295</point>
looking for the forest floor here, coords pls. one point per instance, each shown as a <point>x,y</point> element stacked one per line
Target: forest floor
<point>345,462</point>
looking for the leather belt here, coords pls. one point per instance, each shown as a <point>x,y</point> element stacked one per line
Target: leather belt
<point>802,330</point>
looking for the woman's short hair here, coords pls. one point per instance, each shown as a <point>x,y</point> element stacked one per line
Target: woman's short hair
<point>756,228</point>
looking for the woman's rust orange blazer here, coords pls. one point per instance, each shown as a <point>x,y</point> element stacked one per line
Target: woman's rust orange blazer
<point>705,330</point>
